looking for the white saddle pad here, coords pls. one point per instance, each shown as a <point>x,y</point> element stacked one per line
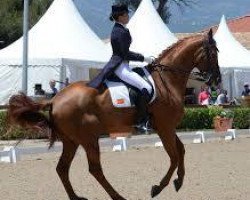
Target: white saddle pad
<point>120,94</point>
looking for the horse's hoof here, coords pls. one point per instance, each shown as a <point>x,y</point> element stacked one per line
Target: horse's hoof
<point>119,198</point>
<point>177,184</point>
<point>155,191</point>
<point>79,198</point>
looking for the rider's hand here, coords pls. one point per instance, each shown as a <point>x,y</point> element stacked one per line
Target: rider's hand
<point>148,60</point>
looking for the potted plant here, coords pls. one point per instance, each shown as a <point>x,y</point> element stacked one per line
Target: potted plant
<point>245,101</point>
<point>223,121</point>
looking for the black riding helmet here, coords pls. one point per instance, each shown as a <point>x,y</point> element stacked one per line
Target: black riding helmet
<point>118,10</point>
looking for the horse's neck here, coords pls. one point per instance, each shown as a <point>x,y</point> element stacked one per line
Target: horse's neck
<point>181,60</point>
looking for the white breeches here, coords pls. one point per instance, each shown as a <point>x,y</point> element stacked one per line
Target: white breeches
<point>125,73</point>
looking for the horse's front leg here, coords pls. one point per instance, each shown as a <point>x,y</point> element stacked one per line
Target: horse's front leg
<point>168,138</point>
<point>93,155</point>
<point>181,166</point>
<point>69,150</point>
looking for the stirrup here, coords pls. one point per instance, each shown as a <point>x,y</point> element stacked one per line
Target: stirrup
<point>142,123</point>
<point>140,127</point>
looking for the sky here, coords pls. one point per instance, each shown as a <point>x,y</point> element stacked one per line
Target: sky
<point>202,14</point>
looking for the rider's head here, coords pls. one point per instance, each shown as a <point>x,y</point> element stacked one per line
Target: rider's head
<point>246,85</point>
<point>52,83</point>
<point>119,13</point>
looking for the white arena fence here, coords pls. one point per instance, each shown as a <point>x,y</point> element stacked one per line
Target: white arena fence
<point>12,154</point>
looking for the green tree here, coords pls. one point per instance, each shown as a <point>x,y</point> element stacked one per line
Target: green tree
<point>162,6</point>
<point>11,18</point>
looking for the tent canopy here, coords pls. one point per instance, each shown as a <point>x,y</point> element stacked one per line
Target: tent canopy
<point>60,45</point>
<point>150,34</point>
<point>234,60</point>
<point>60,33</point>
<point>231,53</point>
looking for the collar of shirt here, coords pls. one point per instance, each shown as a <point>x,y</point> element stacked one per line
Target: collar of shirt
<point>121,24</point>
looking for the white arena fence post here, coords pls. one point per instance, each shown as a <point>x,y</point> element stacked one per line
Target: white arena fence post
<point>200,138</point>
<point>120,144</point>
<point>230,134</point>
<point>9,154</point>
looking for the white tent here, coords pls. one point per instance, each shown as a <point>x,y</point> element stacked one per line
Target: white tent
<point>234,60</point>
<point>61,45</point>
<point>150,34</point>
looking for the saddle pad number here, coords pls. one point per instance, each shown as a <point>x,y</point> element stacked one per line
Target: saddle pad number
<point>120,101</point>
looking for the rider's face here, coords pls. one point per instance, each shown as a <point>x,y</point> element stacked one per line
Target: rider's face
<point>124,18</point>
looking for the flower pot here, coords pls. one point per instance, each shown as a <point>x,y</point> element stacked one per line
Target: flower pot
<point>221,124</point>
<point>246,101</point>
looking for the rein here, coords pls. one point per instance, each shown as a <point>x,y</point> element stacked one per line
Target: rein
<point>162,68</point>
<point>203,75</point>
<point>198,76</point>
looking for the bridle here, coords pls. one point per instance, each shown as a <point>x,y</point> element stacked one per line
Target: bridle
<point>199,76</point>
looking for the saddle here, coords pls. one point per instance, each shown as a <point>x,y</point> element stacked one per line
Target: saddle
<point>125,95</point>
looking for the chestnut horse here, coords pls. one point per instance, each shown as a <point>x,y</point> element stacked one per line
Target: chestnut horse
<point>78,114</point>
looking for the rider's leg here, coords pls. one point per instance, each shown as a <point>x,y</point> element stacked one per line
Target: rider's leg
<point>125,73</point>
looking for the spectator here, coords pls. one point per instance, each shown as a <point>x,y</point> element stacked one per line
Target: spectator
<point>214,94</point>
<point>53,90</point>
<point>222,98</point>
<point>66,82</point>
<point>246,91</point>
<point>204,96</point>
<point>63,83</point>
<point>38,89</point>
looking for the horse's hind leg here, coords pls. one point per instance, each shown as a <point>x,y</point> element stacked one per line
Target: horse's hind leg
<point>93,155</point>
<point>69,150</point>
<point>181,167</point>
<point>169,143</point>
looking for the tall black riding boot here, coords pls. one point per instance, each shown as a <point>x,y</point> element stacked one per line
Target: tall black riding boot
<point>141,105</point>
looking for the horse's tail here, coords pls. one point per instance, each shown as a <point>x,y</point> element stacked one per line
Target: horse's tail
<point>25,112</point>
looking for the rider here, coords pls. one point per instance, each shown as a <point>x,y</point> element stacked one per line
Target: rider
<point>119,62</point>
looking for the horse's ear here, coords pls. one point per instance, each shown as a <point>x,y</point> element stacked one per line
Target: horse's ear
<point>210,36</point>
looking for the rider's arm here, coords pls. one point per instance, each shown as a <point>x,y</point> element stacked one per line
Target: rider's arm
<point>124,49</point>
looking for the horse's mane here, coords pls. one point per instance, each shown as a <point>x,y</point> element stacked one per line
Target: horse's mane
<point>175,46</point>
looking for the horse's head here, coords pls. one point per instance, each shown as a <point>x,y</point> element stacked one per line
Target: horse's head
<point>206,60</point>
